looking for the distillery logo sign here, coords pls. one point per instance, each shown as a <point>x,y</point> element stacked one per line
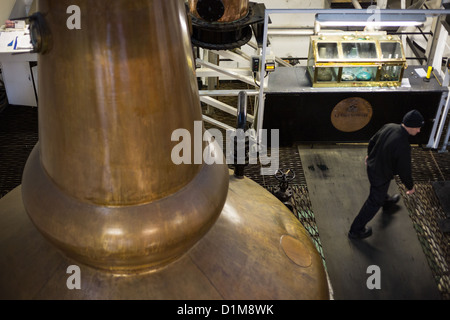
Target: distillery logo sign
<point>240,147</point>
<point>351,114</point>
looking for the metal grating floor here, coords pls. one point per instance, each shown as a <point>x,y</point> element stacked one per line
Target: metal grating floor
<point>426,212</point>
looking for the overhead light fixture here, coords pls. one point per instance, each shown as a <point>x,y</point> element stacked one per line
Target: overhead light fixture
<point>370,19</point>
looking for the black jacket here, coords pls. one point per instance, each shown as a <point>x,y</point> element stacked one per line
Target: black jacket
<point>389,154</point>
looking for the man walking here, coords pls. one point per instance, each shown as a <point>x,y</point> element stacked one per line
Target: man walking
<point>389,154</point>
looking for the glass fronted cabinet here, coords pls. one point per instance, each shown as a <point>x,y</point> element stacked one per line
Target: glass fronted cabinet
<point>356,60</point>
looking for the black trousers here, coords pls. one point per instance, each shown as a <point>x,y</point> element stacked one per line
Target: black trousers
<point>377,197</point>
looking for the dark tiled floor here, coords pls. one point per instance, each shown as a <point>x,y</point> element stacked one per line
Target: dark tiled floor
<point>18,136</point>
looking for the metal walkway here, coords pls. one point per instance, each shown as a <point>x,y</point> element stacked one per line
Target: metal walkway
<point>338,187</point>
<point>326,204</point>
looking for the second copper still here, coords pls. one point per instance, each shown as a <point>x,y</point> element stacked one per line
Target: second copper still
<point>225,24</point>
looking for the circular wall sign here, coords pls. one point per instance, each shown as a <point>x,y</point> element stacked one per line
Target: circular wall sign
<point>351,114</point>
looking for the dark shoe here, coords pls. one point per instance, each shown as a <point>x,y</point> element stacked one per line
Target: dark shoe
<point>390,201</point>
<point>367,232</point>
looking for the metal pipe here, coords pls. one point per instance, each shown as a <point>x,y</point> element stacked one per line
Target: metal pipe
<point>260,106</point>
<point>226,93</point>
<point>356,4</point>
<point>226,72</point>
<point>221,106</point>
<point>242,111</point>
<point>218,123</point>
<point>428,12</point>
<point>241,141</point>
<point>446,140</point>
<point>443,120</point>
<point>290,32</point>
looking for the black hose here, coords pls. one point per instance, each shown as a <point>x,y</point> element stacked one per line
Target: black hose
<point>241,139</point>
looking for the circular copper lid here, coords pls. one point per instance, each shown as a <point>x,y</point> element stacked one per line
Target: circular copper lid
<point>296,251</point>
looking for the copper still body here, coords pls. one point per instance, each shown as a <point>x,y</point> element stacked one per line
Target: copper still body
<point>103,191</point>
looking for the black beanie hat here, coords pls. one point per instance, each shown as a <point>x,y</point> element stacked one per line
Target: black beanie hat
<point>413,119</point>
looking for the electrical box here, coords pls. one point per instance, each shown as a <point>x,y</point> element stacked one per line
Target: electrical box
<point>352,59</point>
<point>256,61</point>
<point>269,66</point>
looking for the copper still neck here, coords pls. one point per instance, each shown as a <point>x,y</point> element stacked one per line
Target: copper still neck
<point>111,95</point>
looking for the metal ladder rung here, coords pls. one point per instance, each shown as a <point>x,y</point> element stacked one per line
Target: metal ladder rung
<point>223,106</point>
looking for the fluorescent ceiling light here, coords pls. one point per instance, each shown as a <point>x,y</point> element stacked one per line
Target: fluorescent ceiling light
<point>370,19</point>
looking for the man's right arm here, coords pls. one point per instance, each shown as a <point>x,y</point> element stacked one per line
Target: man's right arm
<point>404,169</point>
